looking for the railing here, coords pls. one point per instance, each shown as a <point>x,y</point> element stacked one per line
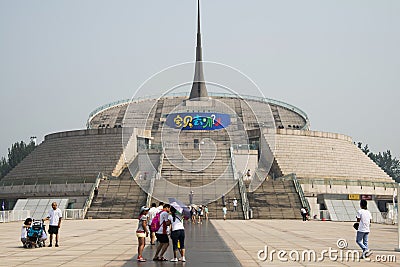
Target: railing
<point>14,215</point>
<point>90,198</point>
<point>332,182</point>
<point>242,188</point>
<point>153,180</point>
<point>324,215</point>
<point>377,217</point>
<point>299,190</point>
<point>45,189</point>
<point>155,147</point>
<point>245,146</point>
<point>182,94</point>
<point>74,214</point>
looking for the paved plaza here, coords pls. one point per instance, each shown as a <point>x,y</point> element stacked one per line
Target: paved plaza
<point>214,243</point>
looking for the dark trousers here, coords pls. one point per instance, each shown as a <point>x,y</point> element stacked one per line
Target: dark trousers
<point>178,235</point>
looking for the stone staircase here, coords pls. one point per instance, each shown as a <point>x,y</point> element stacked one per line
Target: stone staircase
<point>118,199</point>
<point>215,207</point>
<point>275,199</point>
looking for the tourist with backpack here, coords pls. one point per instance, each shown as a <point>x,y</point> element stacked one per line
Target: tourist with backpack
<point>161,223</point>
<point>152,213</point>
<point>142,232</point>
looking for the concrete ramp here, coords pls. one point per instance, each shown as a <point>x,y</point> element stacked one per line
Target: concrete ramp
<point>346,210</point>
<point>39,207</point>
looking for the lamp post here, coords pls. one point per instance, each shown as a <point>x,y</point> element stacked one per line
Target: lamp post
<point>33,139</point>
<point>398,218</point>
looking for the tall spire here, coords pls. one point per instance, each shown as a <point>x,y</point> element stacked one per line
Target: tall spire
<point>199,90</point>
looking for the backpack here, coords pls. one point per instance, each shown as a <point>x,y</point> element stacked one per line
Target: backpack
<point>155,223</point>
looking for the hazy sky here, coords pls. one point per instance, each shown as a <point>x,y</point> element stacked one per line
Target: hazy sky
<point>339,61</point>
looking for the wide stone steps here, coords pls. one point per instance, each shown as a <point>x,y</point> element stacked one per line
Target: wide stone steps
<point>117,199</point>
<point>275,199</point>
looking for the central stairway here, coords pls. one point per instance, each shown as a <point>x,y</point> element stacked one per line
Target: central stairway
<point>275,199</point>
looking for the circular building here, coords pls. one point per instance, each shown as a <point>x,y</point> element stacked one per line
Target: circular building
<point>255,155</point>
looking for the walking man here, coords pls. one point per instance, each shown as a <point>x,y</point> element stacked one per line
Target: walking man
<point>235,202</point>
<point>303,213</point>
<point>162,234</point>
<point>55,216</point>
<point>191,197</point>
<point>224,210</point>
<point>364,219</point>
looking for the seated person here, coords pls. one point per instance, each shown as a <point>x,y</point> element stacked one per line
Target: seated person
<point>24,231</point>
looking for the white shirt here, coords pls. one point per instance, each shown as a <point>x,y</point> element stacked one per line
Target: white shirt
<point>152,213</point>
<point>54,216</point>
<point>177,225</point>
<point>235,202</point>
<point>224,209</point>
<point>365,220</point>
<point>24,231</point>
<point>163,217</point>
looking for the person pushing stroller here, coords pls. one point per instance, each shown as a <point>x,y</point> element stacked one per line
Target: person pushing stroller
<point>33,234</point>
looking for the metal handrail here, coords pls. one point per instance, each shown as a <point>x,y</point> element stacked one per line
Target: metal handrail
<point>300,192</point>
<point>89,200</point>
<point>153,180</point>
<point>242,187</point>
<point>183,94</point>
<point>353,182</point>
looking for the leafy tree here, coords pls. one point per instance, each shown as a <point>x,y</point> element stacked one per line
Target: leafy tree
<point>16,154</point>
<point>364,149</point>
<point>388,164</point>
<point>4,167</point>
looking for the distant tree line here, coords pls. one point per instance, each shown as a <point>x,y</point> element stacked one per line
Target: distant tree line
<point>16,154</point>
<point>389,164</point>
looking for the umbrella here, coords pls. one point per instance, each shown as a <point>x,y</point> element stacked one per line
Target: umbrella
<point>180,207</point>
<point>177,207</point>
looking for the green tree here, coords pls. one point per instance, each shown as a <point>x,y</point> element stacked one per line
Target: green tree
<point>364,149</point>
<point>16,154</point>
<point>4,167</point>
<point>385,160</point>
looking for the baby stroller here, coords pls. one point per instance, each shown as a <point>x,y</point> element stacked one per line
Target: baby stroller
<point>36,235</point>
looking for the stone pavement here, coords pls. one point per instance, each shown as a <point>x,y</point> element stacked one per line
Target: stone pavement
<point>113,243</point>
<point>110,243</point>
<point>247,238</point>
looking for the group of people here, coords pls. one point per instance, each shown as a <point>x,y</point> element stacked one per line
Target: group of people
<point>54,217</point>
<point>161,223</point>
<point>305,214</point>
<point>198,214</point>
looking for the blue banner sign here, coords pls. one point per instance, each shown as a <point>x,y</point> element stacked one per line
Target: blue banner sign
<point>198,121</point>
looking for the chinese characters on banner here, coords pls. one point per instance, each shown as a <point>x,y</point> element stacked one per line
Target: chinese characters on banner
<point>198,121</point>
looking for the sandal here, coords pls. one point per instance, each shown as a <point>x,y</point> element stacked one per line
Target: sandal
<point>141,259</point>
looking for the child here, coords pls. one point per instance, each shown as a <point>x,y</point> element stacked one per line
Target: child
<point>142,232</point>
<point>224,210</point>
<point>24,231</point>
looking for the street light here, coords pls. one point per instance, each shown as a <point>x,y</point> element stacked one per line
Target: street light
<point>33,139</point>
<point>398,217</point>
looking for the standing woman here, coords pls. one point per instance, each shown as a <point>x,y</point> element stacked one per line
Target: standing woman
<point>200,213</point>
<point>142,232</point>
<point>193,213</point>
<point>177,234</point>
